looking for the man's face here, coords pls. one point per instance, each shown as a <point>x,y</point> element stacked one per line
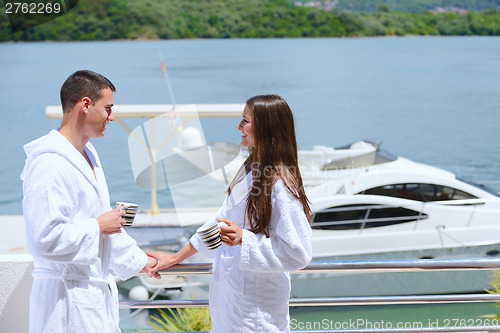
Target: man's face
<point>99,114</point>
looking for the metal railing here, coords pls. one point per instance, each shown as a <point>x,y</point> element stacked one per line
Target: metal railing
<point>348,266</point>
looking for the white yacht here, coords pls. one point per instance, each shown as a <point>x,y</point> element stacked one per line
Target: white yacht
<point>374,206</point>
<point>395,205</point>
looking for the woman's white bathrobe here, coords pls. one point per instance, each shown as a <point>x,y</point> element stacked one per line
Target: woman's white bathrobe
<point>73,290</point>
<point>250,284</point>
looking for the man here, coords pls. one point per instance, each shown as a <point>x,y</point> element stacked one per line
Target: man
<point>76,239</point>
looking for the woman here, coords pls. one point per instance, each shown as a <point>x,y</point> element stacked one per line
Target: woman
<point>267,233</point>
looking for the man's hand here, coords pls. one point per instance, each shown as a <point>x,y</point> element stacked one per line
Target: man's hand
<point>111,222</point>
<point>152,262</point>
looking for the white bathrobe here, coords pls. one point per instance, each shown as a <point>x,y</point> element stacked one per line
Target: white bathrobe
<point>250,284</point>
<point>73,290</point>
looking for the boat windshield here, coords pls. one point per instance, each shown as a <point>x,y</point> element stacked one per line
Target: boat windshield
<point>420,192</point>
<point>384,157</point>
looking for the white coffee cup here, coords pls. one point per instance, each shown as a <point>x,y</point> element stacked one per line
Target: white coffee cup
<point>130,212</point>
<point>210,233</point>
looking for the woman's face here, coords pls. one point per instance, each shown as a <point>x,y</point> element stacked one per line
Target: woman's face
<point>246,128</point>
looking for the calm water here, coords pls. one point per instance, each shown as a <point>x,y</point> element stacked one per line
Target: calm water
<point>431,99</point>
<point>434,100</point>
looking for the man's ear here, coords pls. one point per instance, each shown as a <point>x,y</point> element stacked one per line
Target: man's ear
<point>85,104</point>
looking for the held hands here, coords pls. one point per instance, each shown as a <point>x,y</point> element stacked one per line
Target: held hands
<point>111,222</point>
<point>162,261</point>
<point>152,262</point>
<point>231,234</point>
<point>166,260</point>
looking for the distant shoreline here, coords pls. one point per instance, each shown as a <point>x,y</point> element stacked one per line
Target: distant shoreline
<point>192,19</point>
<point>237,38</point>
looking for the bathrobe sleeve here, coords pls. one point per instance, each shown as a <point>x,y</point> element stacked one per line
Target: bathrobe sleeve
<point>198,244</point>
<point>127,259</point>
<point>48,203</point>
<point>289,246</point>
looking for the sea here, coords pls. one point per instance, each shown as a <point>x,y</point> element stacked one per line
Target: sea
<point>434,100</point>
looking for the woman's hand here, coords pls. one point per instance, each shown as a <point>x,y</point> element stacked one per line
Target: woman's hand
<point>231,234</point>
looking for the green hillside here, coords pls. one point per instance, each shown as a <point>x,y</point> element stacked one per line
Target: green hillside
<point>170,19</point>
<point>371,6</point>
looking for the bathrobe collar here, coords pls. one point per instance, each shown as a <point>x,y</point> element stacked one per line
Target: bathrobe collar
<point>55,143</point>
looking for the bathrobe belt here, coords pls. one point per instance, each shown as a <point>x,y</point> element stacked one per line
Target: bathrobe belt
<point>110,297</point>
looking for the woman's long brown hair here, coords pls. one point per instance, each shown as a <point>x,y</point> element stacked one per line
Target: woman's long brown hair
<point>273,157</point>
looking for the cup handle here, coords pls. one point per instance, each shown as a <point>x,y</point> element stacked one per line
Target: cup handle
<point>221,224</point>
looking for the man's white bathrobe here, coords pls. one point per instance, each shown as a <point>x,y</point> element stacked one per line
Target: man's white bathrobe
<point>250,284</point>
<point>73,290</point>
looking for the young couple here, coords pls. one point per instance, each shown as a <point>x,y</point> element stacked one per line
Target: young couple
<point>77,241</point>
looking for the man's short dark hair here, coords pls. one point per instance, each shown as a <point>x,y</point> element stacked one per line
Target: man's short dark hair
<point>81,84</point>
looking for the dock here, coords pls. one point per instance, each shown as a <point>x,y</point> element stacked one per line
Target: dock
<point>13,235</point>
